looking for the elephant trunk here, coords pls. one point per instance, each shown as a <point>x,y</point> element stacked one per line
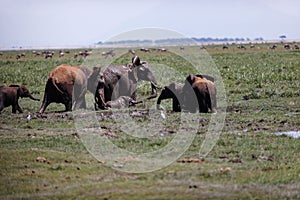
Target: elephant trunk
<point>135,102</point>
<point>153,90</point>
<point>31,97</point>
<point>158,106</point>
<point>100,99</point>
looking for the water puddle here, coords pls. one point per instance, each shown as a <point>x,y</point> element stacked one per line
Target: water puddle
<point>293,134</point>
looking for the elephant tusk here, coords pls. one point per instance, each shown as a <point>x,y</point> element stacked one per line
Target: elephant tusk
<point>159,107</point>
<point>155,85</point>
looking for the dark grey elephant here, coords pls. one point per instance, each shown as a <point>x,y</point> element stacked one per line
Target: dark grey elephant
<point>172,91</point>
<point>96,86</point>
<point>9,96</point>
<point>67,85</point>
<point>122,102</point>
<point>175,92</point>
<point>122,81</point>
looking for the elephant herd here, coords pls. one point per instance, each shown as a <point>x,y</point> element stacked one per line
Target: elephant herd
<point>198,93</point>
<point>114,87</point>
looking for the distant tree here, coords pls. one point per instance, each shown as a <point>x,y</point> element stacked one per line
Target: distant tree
<point>282,37</point>
<point>259,39</point>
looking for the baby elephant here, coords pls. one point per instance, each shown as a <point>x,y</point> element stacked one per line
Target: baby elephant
<point>174,92</point>
<point>122,102</point>
<point>9,96</point>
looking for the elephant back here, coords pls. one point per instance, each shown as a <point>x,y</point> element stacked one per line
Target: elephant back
<point>67,74</point>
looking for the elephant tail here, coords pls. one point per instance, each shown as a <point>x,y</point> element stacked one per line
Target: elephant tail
<point>55,85</point>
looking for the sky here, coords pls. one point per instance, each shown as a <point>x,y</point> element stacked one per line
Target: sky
<point>51,23</point>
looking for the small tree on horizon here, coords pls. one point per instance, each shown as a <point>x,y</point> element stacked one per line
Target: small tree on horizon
<point>282,37</point>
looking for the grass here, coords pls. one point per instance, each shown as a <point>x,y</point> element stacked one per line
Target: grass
<point>247,162</point>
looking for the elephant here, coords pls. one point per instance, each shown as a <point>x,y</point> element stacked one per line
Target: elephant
<point>122,102</point>
<point>66,84</point>
<point>172,91</point>
<point>199,92</point>
<point>208,77</point>
<point>122,81</point>
<point>9,96</point>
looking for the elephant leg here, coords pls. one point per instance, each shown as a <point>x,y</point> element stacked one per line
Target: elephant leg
<point>45,104</point>
<point>79,96</point>
<point>81,100</point>
<point>203,105</point>
<point>1,107</point>
<point>19,108</point>
<point>211,99</point>
<point>14,108</point>
<point>100,99</point>
<point>213,104</point>
<point>68,105</point>
<point>83,104</point>
<point>80,103</point>
<point>193,104</point>
<point>176,105</point>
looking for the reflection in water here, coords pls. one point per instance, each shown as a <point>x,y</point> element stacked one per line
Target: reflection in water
<point>293,134</point>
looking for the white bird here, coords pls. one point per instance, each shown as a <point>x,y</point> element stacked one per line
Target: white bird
<point>162,114</point>
<point>28,118</point>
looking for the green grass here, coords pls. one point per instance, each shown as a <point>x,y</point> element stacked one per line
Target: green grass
<point>247,162</point>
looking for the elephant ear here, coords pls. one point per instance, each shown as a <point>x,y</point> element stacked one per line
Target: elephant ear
<point>87,71</point>
<point>133,75</point>
<point>136,61</point>
<point>145,64</point>
<point>93,79</point>
<point>21,91</point>
<point>143,67</point>
<point>190,79</point>
<point>199,75</point>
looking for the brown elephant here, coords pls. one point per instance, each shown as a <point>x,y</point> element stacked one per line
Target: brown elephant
<point>67,85</point>
<point>174,91</point>
<point>9,96</point>
<point>199,94</point>
<point>208,77</point>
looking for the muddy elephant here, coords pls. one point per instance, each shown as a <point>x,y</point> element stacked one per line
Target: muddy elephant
<point>122,102</point>
<point>122,81</point>
<point>9,96</point>
<point>172,91</point>
<point>208,77</point>
<point>199,94</point>
<point>67,85</point>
